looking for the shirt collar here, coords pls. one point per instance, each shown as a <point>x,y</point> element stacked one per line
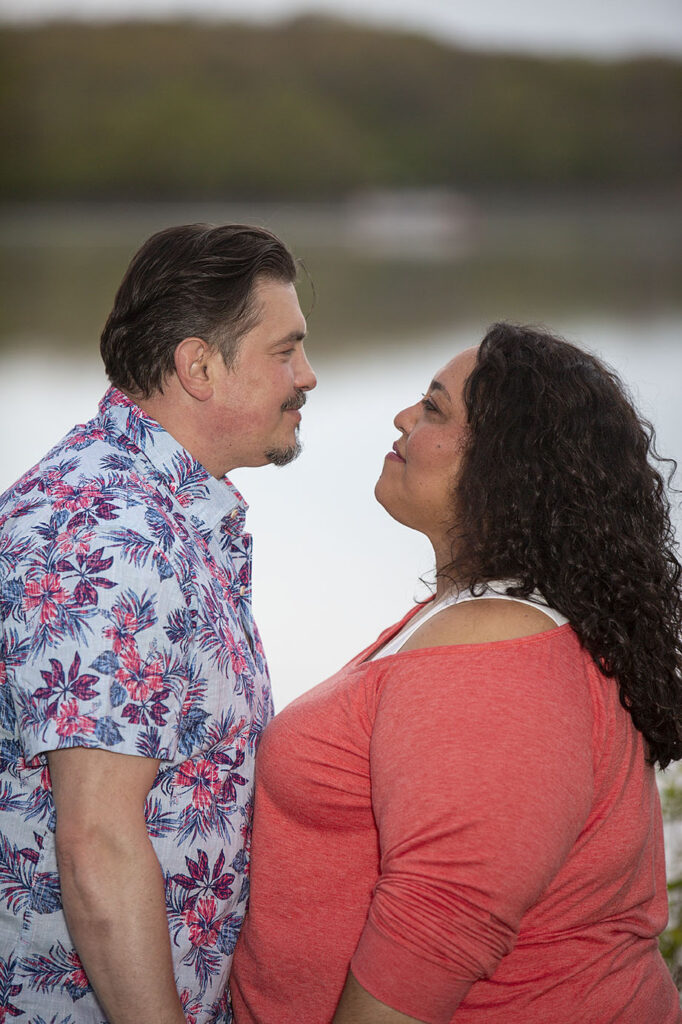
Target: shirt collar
<point>210,499</point>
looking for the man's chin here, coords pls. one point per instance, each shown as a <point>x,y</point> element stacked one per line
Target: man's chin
<point>283,456</point>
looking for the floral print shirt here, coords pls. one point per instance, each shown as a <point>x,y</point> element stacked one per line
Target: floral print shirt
<point>125,600</point>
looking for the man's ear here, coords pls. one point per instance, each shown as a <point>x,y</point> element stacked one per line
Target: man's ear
<point>192,365</point>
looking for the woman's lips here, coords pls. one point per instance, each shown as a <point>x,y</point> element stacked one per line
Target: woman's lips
<point>395,455</point>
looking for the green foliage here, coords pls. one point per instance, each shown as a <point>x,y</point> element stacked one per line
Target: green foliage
<point>316,108</point>
<point>671,939</point>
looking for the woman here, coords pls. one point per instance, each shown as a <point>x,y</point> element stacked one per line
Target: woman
<point>463,823</point>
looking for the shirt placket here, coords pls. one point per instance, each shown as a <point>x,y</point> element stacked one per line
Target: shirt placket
<point>239,567</point>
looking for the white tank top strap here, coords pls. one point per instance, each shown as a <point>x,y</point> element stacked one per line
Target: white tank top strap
<point>495,589</point>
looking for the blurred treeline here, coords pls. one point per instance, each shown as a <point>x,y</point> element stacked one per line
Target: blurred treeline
<point>315,109</point>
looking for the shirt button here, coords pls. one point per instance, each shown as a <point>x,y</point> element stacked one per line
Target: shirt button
<point>242,591</point>
<point>234,513</point>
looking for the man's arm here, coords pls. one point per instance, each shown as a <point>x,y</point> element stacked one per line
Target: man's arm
<point>112,884</point>
<point>357,1006</point>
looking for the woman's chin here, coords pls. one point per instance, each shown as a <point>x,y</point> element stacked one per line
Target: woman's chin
<point>383,496</point>
<point>380,492</point>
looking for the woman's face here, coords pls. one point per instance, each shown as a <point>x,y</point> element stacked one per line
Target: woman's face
<point>418,478</point>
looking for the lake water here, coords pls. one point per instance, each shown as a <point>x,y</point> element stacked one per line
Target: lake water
<point>331,568</point>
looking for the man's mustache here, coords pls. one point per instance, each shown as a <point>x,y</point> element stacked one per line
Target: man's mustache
<point>297,400</point>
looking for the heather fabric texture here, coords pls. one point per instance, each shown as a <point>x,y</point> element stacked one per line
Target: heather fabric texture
<point>473,830</point>
<point>125,594</point>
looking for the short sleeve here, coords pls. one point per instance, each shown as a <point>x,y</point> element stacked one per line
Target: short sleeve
<point>99,646</point>
<point>481,772</point>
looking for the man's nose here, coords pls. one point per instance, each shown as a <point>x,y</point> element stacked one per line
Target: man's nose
<point>305,375</point>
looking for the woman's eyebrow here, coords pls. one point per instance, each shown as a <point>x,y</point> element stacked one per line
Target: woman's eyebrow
<point>436,385</point>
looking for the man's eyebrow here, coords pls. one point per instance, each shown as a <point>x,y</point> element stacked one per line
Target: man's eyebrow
<point>294,336</point>
<point>436,385</point>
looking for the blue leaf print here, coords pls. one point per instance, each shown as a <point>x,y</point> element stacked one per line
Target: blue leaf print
<point>132,546</point>
<point>64,1020</point>
<point>11,597</point>
<point>8,988</point>
<point>9,800</point>
<point>107,663</point>
<point>163,566</point>
<point>16,877</point>
<point>40,805</point>
<point>10,750</point>
<point>141,428</point>
<point>191,478</point>
<point>192,730</point>
<point>120,463</point>
<point>229,933</point>
<point>60,969</point>
<point>179,626</point>
<point>239,862</point>
<point>205,962</point>
<point>8,715</point>
<point>107,731</point>
<point>46,894</point>
<point>149,745</point>
<point>160,527</point>
<point>118,695</point>
<point>159,822</point>
<point>12,551</point>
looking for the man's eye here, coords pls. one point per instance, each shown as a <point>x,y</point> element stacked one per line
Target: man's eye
<point>428,404</point>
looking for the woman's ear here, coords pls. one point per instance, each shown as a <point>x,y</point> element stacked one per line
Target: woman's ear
<point>192,366</point>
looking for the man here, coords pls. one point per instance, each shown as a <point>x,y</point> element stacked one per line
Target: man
<point>133,687</point>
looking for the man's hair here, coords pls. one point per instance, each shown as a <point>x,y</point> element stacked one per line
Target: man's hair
<point>194,280</point>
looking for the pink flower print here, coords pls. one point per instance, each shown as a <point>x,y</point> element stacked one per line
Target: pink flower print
<point>95,434</point>
<point>191,1006</point>
<point>46,593</point>
<point>203,778</point>
<point>69,721</point>
<point>75,499</point>
<point>140,680</point>
<point>204,929</point>
<point>123,632</point>
<point>237,659</point>
<point>74,542</point>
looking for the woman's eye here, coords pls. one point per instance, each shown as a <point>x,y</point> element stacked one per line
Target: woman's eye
<point>428,404</point>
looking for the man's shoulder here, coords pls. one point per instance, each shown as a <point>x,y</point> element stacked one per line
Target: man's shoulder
<point>91,475</point>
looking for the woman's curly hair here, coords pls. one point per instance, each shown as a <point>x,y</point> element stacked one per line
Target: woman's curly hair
<point>558,490</point>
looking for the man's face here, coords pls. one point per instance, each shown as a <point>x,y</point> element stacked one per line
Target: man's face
<point>255,413</point>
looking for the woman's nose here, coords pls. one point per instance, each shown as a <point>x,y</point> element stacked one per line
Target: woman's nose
<point>404,420</point>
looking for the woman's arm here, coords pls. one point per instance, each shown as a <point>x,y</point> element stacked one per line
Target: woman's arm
<point>482,776</point>
<point>357,1006</point>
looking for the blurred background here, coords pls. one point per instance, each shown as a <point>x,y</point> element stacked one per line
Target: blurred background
<point>437,166</point>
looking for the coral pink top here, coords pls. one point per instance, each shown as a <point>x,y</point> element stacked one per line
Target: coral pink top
<point>473,830</point>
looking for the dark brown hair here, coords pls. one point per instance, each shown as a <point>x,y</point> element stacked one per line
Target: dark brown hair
<point>560,490</point>
<point>191,280</point>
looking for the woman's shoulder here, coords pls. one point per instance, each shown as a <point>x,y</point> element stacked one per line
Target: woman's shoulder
<point>479,622</point>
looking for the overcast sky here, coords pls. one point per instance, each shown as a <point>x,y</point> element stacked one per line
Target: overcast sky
<point>610,27</point>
